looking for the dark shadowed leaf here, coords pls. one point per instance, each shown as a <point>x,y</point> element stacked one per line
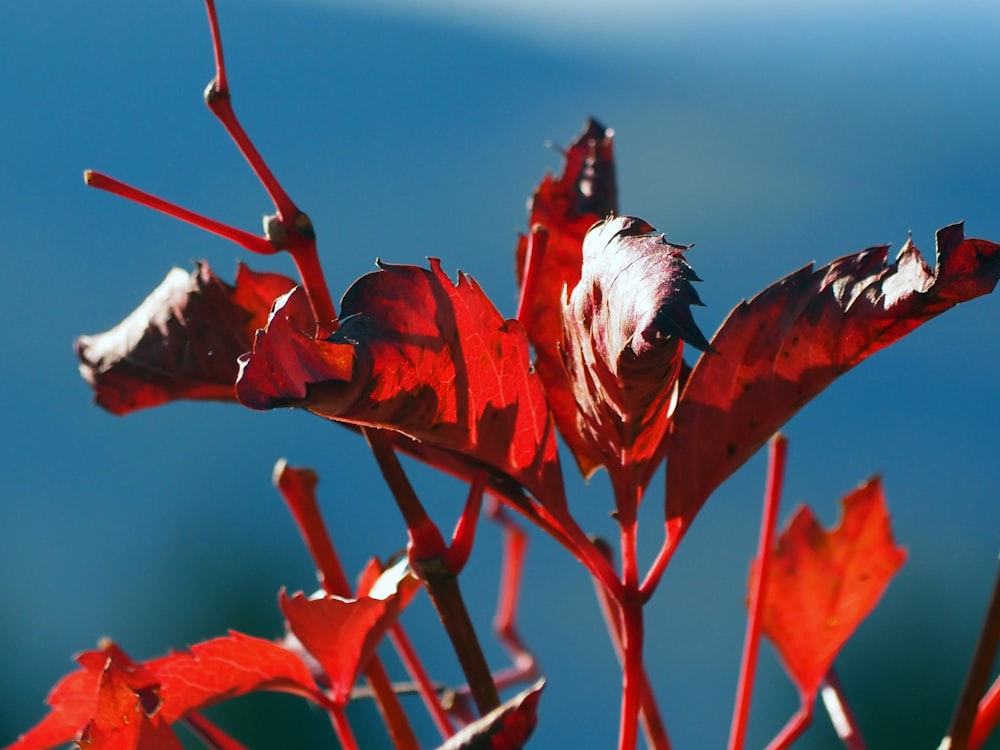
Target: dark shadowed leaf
<point>779,350</point>
<point>624,325</point>
<point>565,207</point>
<point>432,359</point>
<point>822,584</point>
<point>182,342</point>
<point>507,727</point>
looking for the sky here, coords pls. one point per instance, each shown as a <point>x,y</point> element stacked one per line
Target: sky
<point>768,135</point>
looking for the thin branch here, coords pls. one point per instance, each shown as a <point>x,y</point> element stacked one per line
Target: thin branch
<point>219,100</point>
<point>751,644</point>
<point>252,242</point>
<point>987,717</point>
<point>209,734</point>
<point>663,557</point>
<point>440,582</point>
<point>290,229</point>
<point>979,673</point>
<point>515,543</point>
<point>422,683</point>
<point>841,716</point>
<point>338,718</point>
<point>654,728</point>
<point>632,670</point>
<point>302,503</point>
<point>794,728</point>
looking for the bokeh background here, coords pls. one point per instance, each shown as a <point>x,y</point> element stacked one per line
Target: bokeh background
<point>770,134</point>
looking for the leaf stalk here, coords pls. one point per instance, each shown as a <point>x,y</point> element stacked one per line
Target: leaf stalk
<point>778,450</point>
<point>440,582</point>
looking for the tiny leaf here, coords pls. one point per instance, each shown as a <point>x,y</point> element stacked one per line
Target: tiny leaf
<point>822,584</point>
<point>341,634</point>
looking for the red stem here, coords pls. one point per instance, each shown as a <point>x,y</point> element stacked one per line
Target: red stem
<point>632,637</point>
<point>565,529</point>
<point>979,673</point>
<point>209,734</point>
<point>426,542</point>
<point>841,716</point>
<point>652,722</point>
<point>295,232</point>
<point>440,583</point>
<point>302,504</point>
<point>252,242</point>
<point>338,717</point>
<point>462,538</point>
<point>220,66</point>
<point>795,726</point>
<point>415,668</point>
<point>671,535</point>
<point>298,489</point>
<point>515,544</point>
<point>219,101</point>
<point>987,717</point>
<point>627,497</point>
<point>751,644</point>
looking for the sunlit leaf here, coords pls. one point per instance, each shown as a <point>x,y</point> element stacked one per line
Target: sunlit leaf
<point>822,584</point>
<point>341,634</point>
<point>432,359</point>
<point>624,326</point>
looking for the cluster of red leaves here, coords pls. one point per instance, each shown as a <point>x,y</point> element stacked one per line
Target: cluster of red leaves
<point>595,353</point>
<point>605,307</point>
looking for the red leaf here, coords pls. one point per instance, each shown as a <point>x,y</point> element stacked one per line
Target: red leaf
<point>507,727</point>
<point>341,634</point>
<point>123,719</point>
<point>624,324</point>
<point>166,688</point>
<point>821,585</point>
<point>286,355</point>
<point>227,667</point>
<point>432,359</point>
<point>112,702</point>
<point>791,341</point>
<point>72,703</point>
<point>566,207</point>
<point>182,342</point>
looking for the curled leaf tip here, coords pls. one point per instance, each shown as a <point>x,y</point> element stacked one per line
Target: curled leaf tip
<point>623,328</point>
<point>643,282</point>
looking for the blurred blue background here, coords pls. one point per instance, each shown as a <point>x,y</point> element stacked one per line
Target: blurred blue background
<point>770,134</point>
